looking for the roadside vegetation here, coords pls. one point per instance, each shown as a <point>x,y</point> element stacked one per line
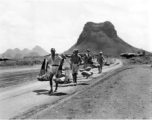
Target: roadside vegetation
<point>22,62</point>
<point>147,59</point>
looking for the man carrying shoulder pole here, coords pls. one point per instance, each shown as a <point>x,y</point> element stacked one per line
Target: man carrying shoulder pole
<point>75,62</point>
<point>87,59</point>
<point>54,62</point>
<point>100,60</point>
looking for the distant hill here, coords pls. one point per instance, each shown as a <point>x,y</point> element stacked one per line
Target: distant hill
<point>9,53</point>
<point>39,50</point>
<point>32,54</point>
<point>101,37</point>
<point>16,50</point>
<point>25,51</point>
<point>17,53</point>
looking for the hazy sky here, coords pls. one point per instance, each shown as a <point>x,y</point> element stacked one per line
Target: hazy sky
<point>58,23</point>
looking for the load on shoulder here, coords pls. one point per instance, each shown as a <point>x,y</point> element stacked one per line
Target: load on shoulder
<point>82,54</point>
<point>56,54</point>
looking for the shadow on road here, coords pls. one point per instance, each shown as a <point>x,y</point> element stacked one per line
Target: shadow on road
<point>67,85</point>
<point>46,92</point>
<point>83,84</point>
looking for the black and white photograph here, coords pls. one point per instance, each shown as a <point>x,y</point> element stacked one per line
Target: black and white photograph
<point>75,59</point>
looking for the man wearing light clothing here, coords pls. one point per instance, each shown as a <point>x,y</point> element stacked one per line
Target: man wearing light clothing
<point>54,61</point>
<point>75,62</point>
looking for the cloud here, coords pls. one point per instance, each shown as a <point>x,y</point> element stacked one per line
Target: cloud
<point>14,29</point>
<point>59,23</point>
<point>54,34</point>
<point>13,19</point>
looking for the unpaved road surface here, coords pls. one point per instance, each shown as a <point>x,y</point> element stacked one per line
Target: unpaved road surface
<point>126,93</point>
<point>24,101</point>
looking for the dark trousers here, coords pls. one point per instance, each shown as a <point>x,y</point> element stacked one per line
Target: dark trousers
<point>100,67</point>
<point>74,77</point>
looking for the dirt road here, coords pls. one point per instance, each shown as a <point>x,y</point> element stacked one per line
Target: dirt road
<point>124,94</point>
<point>25,101</point>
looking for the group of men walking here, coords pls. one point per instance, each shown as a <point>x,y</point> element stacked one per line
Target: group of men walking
<point>76,60</point>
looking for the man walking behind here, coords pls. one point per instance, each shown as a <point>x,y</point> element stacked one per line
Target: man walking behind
<point>75,62</point>
<point>100,60</point>
<point>87,59</point>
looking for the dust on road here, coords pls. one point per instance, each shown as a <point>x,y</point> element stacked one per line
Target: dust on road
<point>125,94</point>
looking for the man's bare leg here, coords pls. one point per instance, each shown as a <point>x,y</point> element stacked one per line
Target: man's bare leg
<point>51,83</point>
<point>99,69</point>
<point>56,87</point>
<point>76,78</point>
<point>73,78</point>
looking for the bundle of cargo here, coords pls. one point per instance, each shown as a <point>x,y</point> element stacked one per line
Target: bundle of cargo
<point>44,77</point>
<point>86,72</point>
<point>44,71</point>
<point>85,69</point>
<point>63,78</point>
<point>95,65</point>
<point>64,75</point>
<point>107,64</point>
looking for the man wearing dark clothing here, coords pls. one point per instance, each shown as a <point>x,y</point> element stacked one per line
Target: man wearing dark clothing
<point>100,60</point>
<point>75,62</point>
<point>87,59</point>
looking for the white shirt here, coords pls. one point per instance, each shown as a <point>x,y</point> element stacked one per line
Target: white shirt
<point>56,61</point>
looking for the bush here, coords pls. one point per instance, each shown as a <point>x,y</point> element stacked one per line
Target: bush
<point>22,62</point>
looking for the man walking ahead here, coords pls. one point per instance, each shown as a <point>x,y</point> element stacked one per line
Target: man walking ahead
<point>87,59</point>
<point>75,62</point>
<point>100,60</point>
<point>54,61</point>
